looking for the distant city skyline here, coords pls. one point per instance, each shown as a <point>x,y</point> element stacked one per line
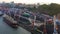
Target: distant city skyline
<point>32,1</point>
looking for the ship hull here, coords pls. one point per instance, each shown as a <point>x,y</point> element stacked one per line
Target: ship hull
<point>10,23</point>
<point>1,14</point>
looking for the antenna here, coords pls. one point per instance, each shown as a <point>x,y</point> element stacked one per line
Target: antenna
<point>54,19</point>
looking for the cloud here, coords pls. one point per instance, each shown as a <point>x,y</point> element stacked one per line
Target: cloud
<point>33,1</point>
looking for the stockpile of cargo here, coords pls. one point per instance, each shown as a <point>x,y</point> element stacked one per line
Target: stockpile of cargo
<point>10,21</point>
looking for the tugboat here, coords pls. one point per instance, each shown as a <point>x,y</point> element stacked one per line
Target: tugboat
<point>10,21</point>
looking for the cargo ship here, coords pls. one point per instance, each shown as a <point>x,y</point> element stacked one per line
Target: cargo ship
<point>10,21</point>
<point>27,24</point>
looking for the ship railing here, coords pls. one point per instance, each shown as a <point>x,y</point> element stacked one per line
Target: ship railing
<point>40,31</point>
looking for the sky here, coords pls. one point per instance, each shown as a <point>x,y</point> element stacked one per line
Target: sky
<point>33,1</point>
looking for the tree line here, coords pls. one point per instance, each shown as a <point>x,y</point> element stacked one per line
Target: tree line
<point>50,9</point>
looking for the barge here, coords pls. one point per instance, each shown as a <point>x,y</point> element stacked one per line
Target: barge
<point>10,21</point>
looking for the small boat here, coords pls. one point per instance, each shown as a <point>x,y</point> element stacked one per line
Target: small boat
<point>10,21</point>
<point>1,13</point>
